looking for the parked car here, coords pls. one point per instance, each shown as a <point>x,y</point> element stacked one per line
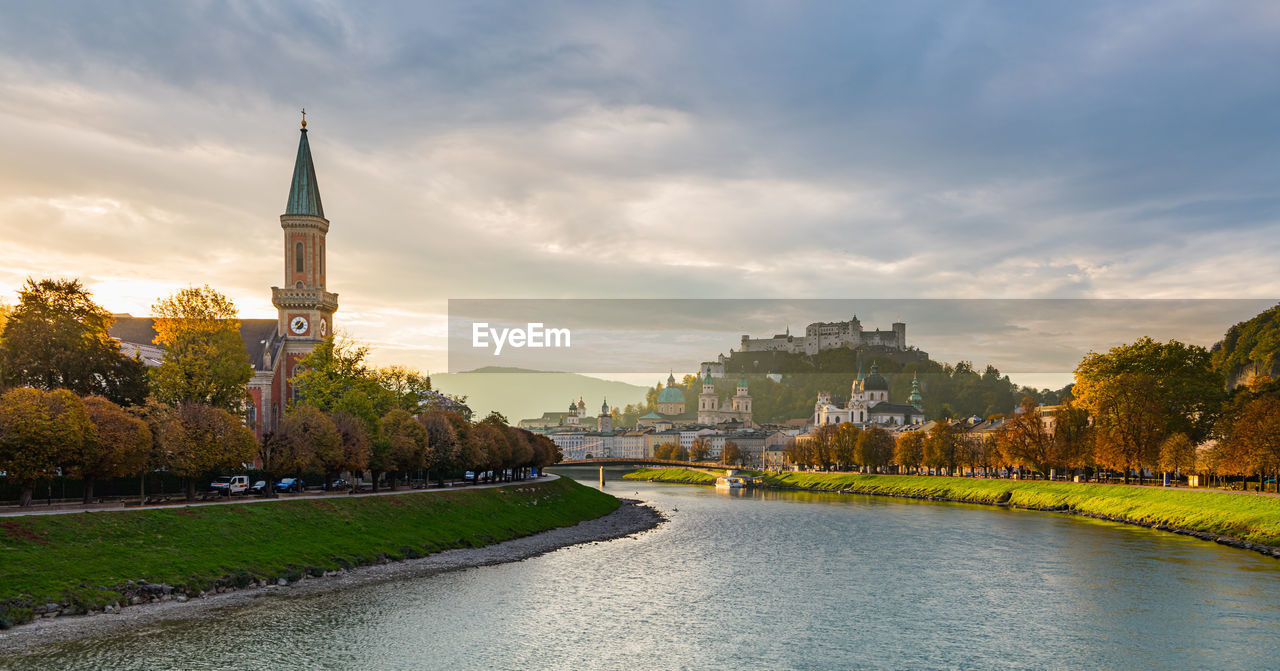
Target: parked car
<point>339,483</point>
<point>258,487</point>
<point>229,485</point>
<point>289,485</point>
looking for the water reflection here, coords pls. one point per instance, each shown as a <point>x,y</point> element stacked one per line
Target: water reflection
<point>768,579</point>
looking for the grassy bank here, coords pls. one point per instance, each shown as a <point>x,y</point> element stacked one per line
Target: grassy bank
<point>682,476</point>
<point>1254,519</point>
<point>87,561</point>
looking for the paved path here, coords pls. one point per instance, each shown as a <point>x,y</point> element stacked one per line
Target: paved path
<point>14,511</point>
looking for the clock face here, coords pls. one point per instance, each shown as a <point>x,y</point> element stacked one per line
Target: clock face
<point>298,325</point>
<point>324,327</point>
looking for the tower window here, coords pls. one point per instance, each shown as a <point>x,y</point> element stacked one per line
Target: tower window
<point>320,261</point>
<point>297,257</point>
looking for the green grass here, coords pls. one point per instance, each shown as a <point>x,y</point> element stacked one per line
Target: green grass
<point>677,475</point>
<point>83,559</point>
<point>1247,517</point>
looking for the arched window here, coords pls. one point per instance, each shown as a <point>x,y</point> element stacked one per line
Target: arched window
<point>297,257</point>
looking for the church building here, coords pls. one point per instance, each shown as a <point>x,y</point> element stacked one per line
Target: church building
<point>304,305</point>
<point>869,404</point>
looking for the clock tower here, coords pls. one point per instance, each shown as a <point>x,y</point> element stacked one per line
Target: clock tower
<point>305,307</point>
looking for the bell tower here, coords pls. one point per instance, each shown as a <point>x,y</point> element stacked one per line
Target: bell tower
<point>305,308</point>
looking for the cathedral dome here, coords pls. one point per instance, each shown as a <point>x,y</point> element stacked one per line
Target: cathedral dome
<point>875,381</point>
<point>671,395</point>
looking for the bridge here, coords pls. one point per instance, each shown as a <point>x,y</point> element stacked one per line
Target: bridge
<point>623,461</point>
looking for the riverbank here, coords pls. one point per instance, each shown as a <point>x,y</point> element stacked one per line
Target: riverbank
<point>109,562</point>
<point>1239,520</point>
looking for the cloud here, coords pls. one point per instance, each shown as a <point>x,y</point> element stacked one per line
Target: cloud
<point>585,150</point>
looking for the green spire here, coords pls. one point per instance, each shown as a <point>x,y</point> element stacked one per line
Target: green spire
<point>860,365</point>
<point>304,194</point>
<point>915,399</point>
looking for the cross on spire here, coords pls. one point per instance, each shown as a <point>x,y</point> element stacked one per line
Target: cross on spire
<point>304,117</point>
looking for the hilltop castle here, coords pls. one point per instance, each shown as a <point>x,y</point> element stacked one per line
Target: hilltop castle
<point>822,336</point>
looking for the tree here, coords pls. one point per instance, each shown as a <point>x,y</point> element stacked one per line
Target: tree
<point>844,445</point>
<point>908,451</point>
<point>57,338</point>
<point>401,446</point>
<point>1180,379</point>
<point>1253,446</point>
<point>822,446</point>
<point>406,389</point>
<point>442,442</point>
<point>482,442</point>
<point>941,445</point>
<point>1026,441</point>
<point>356,448</point>
<point>197,439</point>
<point>40,431</point>
<point>305,436</point>
<point>1129,421</point>
<point>731,454</point>
<point>1073,436</point>
<point>875,448</point>
<point>119,445</point>
<point>700,449</point>
<point>204,360</point>
<point>1177,454</point>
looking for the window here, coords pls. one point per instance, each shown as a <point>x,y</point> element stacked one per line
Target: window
<point>297,257</point>
<point>320,261</point>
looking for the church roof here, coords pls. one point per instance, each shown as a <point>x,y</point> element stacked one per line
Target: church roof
<point>887,408</point>
<point>875,381</point>
<point>304,193</point>
<point>671,395</point>
<point>256,334</point>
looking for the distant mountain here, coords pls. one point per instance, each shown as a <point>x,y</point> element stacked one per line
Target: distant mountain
<point>519,393</point>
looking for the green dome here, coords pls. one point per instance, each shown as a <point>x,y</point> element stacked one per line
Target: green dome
<point>671,395</point>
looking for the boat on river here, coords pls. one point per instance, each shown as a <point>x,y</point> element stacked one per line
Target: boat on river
<point>730,482</point>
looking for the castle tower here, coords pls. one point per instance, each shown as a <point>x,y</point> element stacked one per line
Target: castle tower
<point>305,309</point>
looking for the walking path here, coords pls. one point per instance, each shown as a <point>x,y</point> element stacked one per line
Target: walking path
<point>14,511</point>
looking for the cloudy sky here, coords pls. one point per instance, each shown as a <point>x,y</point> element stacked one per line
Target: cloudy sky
<point>661,150</point>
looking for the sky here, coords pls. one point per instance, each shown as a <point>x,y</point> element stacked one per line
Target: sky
<point>757,150</point>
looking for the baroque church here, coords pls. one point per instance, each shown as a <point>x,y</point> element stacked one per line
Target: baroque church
<point>304,305</point>
<point>869,404</point>
<point>671,402</point>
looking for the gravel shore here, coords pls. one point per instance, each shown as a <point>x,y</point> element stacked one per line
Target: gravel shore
<point>630,518</point>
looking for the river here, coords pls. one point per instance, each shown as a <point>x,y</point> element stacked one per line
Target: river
<point>769,580</point>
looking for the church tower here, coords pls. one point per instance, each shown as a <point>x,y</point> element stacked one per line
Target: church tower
<point>305,308</point>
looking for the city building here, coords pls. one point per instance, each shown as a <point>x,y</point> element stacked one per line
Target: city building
<point>868,403</point>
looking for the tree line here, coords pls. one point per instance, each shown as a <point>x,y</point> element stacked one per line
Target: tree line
<point>74,405</point>
<point>1146,406</point>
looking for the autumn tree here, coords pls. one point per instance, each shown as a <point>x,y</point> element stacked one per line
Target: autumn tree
<point>941,445</point>
<point>57,338</point>
<point>119,445</point>
<point>822,446</point>
<point>39,432</point>
<point>483,441</point>
<point>700,449</point>
<point>305,437</point>
<point>1180,379</point>
<point>1177,454</point>
<point>1129,421</point>
<point>442,442</point>
<point>875,448</point>
<point>1027,441</point>
<point>731,454</point>
<point>356,448</point>
<point>400,446</point>
<point>204,361</point>
<point>197,439</point>
<point>908,450</point>
<point>1253,446</point>
<point>844,445</point>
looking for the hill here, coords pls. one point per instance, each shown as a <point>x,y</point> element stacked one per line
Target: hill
<point>1249,349</point>
<point>519,393</point>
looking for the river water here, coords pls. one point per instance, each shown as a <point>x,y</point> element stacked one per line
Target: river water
<point>769,580</point>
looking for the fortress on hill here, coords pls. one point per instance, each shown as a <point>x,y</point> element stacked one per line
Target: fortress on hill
<point>822,336</point>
